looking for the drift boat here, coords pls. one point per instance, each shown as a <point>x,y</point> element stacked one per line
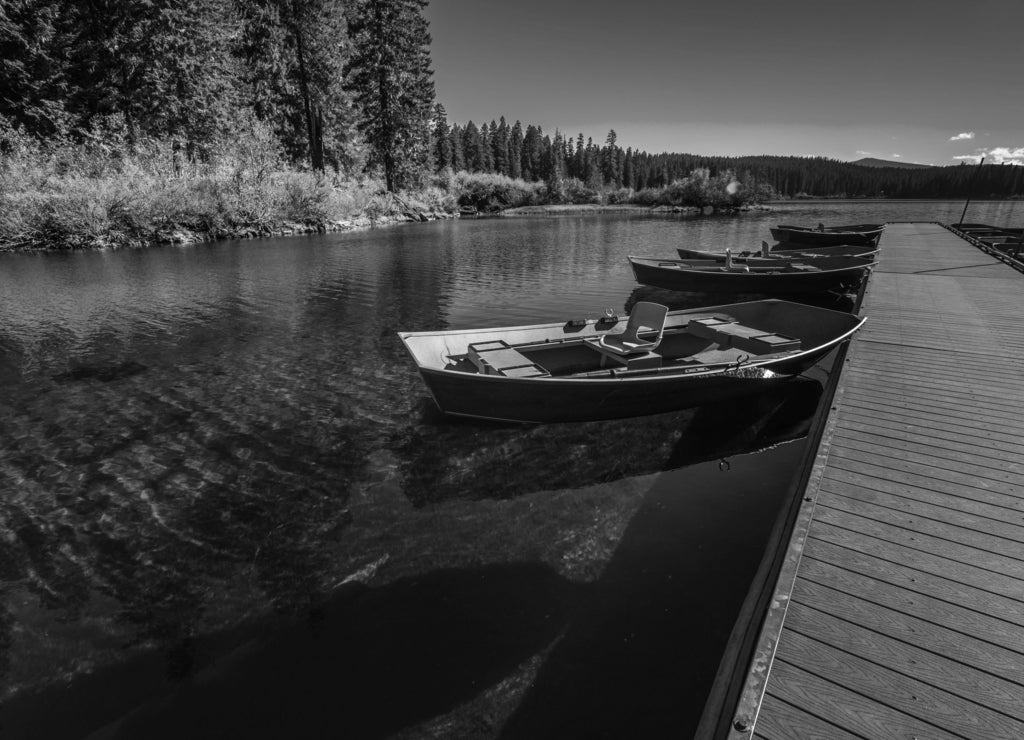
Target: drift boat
<point>839,250</point>
<point>657,360</point>
<point>824,236</point>
<point>770,276</point>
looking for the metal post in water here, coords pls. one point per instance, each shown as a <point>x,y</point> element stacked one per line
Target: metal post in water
<point>970,192</point>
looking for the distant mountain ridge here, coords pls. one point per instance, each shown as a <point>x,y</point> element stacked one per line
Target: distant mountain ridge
<point>873,162</point>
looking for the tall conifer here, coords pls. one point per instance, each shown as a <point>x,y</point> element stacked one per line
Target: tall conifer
<point>442,143</point>
<point>458,157</point>
<point>499,145</point>
<point>471,148</point>
<point>389,75</point>
<point>515,151</point>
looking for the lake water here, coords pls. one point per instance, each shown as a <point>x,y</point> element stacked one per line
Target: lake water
<point>229,508</point>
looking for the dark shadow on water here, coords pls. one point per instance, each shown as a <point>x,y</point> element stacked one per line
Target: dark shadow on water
<point>642,654</point>
<point>363,665</point>
<point>446,458</point>
<point>370,661</point>
<point>103,373</point>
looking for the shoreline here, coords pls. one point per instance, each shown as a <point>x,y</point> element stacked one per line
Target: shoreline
<point>573,209</point>
<point>889,200</point>
<point>184,234</point>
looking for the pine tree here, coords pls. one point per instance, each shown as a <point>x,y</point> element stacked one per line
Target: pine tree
<point>515,151</point>
<point>389,75</point>
<point>30,72</point>
<point>628,170</point>
<point>486,154</point>
<point>471,147</point>
<point>500,146</point>
<point>554,159</point>
<point>157,67</point>
<point>458,157</point>
<point>533,151</point>
<point>594,178</point>
<point>293,52</point>
<point>442,143</point>
<point>580,163</point>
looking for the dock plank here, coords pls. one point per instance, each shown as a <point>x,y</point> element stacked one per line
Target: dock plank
<point>869,522</point>
<point>938,565</point>
<point>914,581</point>
<point>902,601</point>
<point>924,472</point>
<point>909,696</point>
<point>974,467</point>
<point>957,433</point>
<point>950,615</point>
<point>899,625</point>
<point>958,511</point>
<point>840,706</point>
<point>928,440</point>
<point>782,721</point>
<point>916,663</point>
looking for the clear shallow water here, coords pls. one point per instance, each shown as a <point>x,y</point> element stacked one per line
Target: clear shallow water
<point>219,472</point>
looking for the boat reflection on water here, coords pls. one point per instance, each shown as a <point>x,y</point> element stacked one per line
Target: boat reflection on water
<point>441,461</point>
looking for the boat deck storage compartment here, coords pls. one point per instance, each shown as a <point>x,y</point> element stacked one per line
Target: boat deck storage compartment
<point>736,336</point>
<point>643,361</point>
<point>498,358</point>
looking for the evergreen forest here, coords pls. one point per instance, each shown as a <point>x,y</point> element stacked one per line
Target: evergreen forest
<point>532,155</point>
<point>128,121</point>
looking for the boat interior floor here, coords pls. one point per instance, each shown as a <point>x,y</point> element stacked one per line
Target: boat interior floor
<point>709,340</point>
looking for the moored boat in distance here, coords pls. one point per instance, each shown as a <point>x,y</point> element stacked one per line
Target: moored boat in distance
<point>577,370</point>
<point>840,250</point>
<point>823,236</point>
<point>768,276</point>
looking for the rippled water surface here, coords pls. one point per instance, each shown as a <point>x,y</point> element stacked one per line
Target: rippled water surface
<point>229,508</point>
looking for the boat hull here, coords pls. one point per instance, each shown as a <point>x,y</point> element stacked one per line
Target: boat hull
<point>697,368</point>
<point>826,238</point>
<point>785,252</point>
<point>671,275</point>
<point>555,400</point>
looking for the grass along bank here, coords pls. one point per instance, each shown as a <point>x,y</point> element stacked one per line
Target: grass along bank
<point>101,192</point>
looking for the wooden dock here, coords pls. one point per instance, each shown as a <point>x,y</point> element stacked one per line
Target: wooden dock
<point>899,610</point>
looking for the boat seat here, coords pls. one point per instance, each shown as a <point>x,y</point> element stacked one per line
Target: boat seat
<point>498,358</point>
<point>645,317</point>
<point>730,334</point>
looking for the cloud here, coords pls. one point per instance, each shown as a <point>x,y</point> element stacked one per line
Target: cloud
<point>897,155</point>
<point>1006,155</point>
<point>963,136</point>
<point>863,153</point>
<point>996,155</point>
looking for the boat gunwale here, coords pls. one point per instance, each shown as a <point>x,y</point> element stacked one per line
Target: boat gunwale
<point>665,264</point>
<point>639,375</point>
<point>796,253</point>
<point>833,229</point>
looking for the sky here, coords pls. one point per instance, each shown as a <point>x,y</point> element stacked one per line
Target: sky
<point>926,81</point>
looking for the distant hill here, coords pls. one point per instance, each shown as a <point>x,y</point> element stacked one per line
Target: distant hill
<point>872,162</point>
